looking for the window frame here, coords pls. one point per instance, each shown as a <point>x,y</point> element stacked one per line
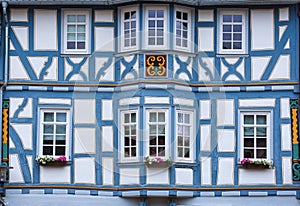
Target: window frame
<point>67,12</point>
<point>167,132</point>
<point>190,30</point>
<point>245,25</point>
<point>40,133</point>
<point>269,137</point>
<point>122,11</point>
<point>165,8</point>
<point>122,132</point>
<point>192,136</point>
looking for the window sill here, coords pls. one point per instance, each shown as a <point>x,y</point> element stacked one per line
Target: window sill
<point>154,51</point>
<point>232,55</point>
<point>74,55</point>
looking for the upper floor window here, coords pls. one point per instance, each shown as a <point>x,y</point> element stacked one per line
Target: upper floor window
<point>156,27</point>
<point>54,132</point>
<point>76,32</point>
<point>129,28</point>
<point>255,135</point>
<point>232,31</point>
<point>129,139</point>
<point>182,20</point>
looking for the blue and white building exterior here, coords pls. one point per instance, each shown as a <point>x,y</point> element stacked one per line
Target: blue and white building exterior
<point>106,84</point>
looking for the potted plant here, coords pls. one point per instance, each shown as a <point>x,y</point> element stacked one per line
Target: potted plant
<point>51,161</point>
<point>158,162</point>
<point>256,164</point>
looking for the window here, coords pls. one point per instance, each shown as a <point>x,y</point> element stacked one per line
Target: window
<point>54,132</point>
<point>129,141</point>
<point>184,135</point>
<point>129,28</point>
<point>157,133</point>
<point>255,135</point>
<point>76,32</point>
<point>156,27</point>
<point>182,27</point>
<point>232,32</point>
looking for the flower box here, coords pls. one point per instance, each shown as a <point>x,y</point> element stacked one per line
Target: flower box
<point>158,164</point>
<point>255,166</point>
<point>54,164</point>
<point>49,161</point>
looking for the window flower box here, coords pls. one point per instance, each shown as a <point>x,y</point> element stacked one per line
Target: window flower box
<point>48,161</point>
<point>157,162</point>
<point>256,164</point>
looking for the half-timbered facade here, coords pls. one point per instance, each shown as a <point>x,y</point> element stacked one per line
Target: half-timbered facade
<point>150,102</point>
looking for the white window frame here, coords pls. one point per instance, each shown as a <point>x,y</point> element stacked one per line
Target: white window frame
<point>167,132</point>
<point>122,135</point>
<point>192,136</point>
<point>189,31</point>
<point>166,27</point>
<point>244,13</point>
<point>87,50</point>
<point>269,132</point>
<point>68,130</point>
<point>123,10</point>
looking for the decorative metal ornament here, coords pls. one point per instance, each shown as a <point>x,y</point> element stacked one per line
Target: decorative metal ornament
<point>156,66</point>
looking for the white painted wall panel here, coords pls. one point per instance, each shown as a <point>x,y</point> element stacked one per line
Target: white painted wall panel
<point>104,16</point>
<point>55,175</point>
<point>15,104</point>
<point>24,132</point>
<point>182,101</point>
<point>225,112</point>
<point>108,171</point>
<point>84,170</point>
<point>205,109</point>
<point>287,174</point>
<point>104,39</point>
<point>183,176</point>
<point>206,39</point>
<point>286,139</point>
<point>107,109</point>
<point>130,100</point>
<point>158,176</point>
<point>45,29</point>
<point>256,177</point>
<point>18,15</point>
<point>54,101</point>
<point>226,140</point>
<point>85,140</point>
<point>206,15</point>
<point>262,29</point>
<point>107,139</point>
<point>281,69</point>
<point>209,67</point>
<point>22,35</point>
<point>225,171</point>
<point>285,108</point>
<point>109,73</point>
<point>260,102</point>
<point>205,135</point>
<point>258,66</point>
<point>157,100</point>
<point>84,111</point>
<point>284,14</point>
<point>206,172</point>
<point>129,176</point>
<point>15,175</point>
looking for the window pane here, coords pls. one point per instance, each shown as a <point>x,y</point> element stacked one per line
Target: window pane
<point>151,41</point>
<point>161,117</point>
<point>160,13</point>
<point>161,140</point>
<point>226,36</point>
<point>261,153</point>
<point>49,129</point>
<point>153,117</point>
<point>71,45</point>
<point>80,37</point>
<point>237,37</point>
<point>133,152</point>
<point>227,18</point>
<point>61,117</point>
<point>184,34</point>
<point>248,153</point>
<point>261,131</point>
<point>161,151</point>
<point>226,45</point>
<point>180,117</point>
<point>81,28</point>
<point>151,23</point>
<point>60,142</point>
<point>153,140</point>
<point>60,151</point>
<point>180,141</point>
<point>248,142</point>
<point>71,37</point>
<point>186,118</point>
<point>126,129</point>
<point>187,141</point>
<point>61,129</point>
<point>160,23</point>
<point>151,13</point>
<point>71,18</point>
<point>47,137</point>
<point>160,32</point>
<point>186,152</point>
<point>185,16</point>
<point>47,150</point>
<point>186,131</point>
<point>133,14</point>
<point>178,15</point>
<point>152,129</point>
<point>180,152</point>
<point>160,41</point>
<point>133,141</point>
<point>226,28</point>
<point>133,130</point>
<point>126,141</point>
<point>161,129</point>
<point>81,18</point>
<point>237,28</point>
<point>237,45</point>
<point>261,142</point>
<point>48,117</point>
<point>152,151</point>
<point>248,119</point>
<point>126,118</point>
<point>133,24</point>
<point>80,45</point>
<point>126,151</point>
<point>261,119</point>
<point>237,18</point>
<point>126,15</point>
<point>248,131</point>
<point>71,28</point>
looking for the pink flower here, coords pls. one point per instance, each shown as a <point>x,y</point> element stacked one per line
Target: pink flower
<point>61,159</point>
<point>245,160</point>
<point>158,159</point>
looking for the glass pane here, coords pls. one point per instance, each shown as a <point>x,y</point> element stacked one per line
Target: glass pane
<point>133,24</point>
<point>71,28</point>
<point>133,130</point>
<point>152,151</point>
<point>126,141</point>
<point>180,141</point>
<point>151,23</point>
<point>237,45</point>
<point>133,14</point>
<point>248,119</point>
<point>237,18</point>
<point>47,137</point>
<point>151,13</point>
<point>160,41</point>
<point>237,37</point>
<point>60,151</point>
<point>71,45</point>
<point>60,142</point>
<point>126,43</point>
<point>178,25</point>
<point>180,117</point>
<point>187,141</point>
<point>48,117</point>
<point>160,23</point>
<point>47,150</point>
<point>185,16</point>
<point>133,152</point>
<point>133,141</point>
<point>81,18</point>
<point>248,153</point>
<point>261,131</point>
<point>161,117</point>
<point>184,34</point>
<point>61,129</point>
<point>186,131</point>
<point>185,26</point>
<point>126,118</point>
<point>248,142</point>
<point>186,118</point>
<point>227,18</point>
<point>71,18</point>
<point>160,13</point>
<point>226,28</point>
<point>237,28</point>
<point>153,117</point>
<point>226,36</point>
<point>160,32</point>
<point>184,43</point>
<point>186,152</point>
<point>126,128</point>
<point>48,129</point>
<point>133,42</point>
<point>152,140</point>
<point>71,36</point>
<point>178,42</point>
<point>126,151</point>
<point>151,32</point>
<point>179,130</point>
<point>261,119</point>
<point>161,129</point>
<point>261,142</point>
<point>81,37</point>
<point>178,14</point>
<point>261,153</point>
<point>179,152</point>
<point>152,129</point>
<point>161,140</point>
<point>80,45</point>
<point>61,137</point>
<point>81,28</point>
<point>161,151</point>
<point>126,15</point>
<point>61,117</point>
<point>226,45</point>
<point>248,131</point>
<point>151,41</point>
<point>126,25</point>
